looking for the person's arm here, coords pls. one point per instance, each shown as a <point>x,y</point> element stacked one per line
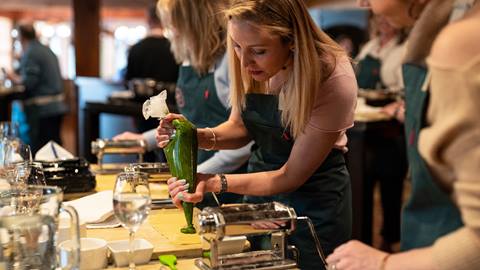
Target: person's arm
<point>225,161</point>
<point>149,138</point>
<point>231,134</point>
<point>309,151</point>
<point>29,72</point>
<point>450,144</point>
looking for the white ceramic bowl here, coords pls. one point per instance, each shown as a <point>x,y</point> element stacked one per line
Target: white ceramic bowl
<point>93,253</point>
<point>64,230</point>
<point>119,249</point>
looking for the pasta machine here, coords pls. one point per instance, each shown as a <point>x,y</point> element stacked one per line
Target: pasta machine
<point>101,147</point>
<point>225,229</point>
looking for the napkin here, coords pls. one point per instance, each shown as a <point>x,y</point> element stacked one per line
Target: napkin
<point>156,106</point>
<point>52,151</point>
<point>94,208</point>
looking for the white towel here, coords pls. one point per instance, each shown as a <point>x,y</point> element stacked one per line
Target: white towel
<point>94,208</point>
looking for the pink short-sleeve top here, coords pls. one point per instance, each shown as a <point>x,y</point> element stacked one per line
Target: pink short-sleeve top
<point>335,103</point>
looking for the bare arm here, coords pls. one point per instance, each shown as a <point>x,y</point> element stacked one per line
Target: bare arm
<point>309,151</point>
<point>231,134</point>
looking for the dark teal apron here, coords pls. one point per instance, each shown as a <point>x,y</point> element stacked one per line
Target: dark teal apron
<point>368,73</point>
<point>429,212</point>
<point>325,197</point>
<point>197,100</point>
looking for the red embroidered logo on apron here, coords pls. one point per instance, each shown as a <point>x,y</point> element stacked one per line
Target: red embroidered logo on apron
<point>286,136</point>
<point>411,137</point>
<point>206,94</point>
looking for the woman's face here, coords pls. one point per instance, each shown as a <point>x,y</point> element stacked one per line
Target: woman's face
<point>394,11</point>
<point>261,53</point>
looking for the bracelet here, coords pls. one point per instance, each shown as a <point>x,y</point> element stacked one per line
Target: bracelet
<point>214,140</point>
<point>223,184</point>
<point>384,261</point>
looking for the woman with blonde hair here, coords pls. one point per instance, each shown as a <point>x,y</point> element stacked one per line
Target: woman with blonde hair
<point>294,93</point>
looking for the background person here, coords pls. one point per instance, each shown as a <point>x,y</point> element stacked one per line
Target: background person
<point>440,224</point>
<point>150,58</point>
<point>380,66</point>
<point>43,100</point>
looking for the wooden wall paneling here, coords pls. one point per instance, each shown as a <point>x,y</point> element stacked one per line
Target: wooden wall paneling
<point>86,25</point>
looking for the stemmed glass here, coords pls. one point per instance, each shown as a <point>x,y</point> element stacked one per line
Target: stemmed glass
<point>131,204</point>
<point>14,152</point>
<point>9,130</point>
<point>29,173</point>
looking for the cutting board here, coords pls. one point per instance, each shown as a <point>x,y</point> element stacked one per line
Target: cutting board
<point>162,229</point>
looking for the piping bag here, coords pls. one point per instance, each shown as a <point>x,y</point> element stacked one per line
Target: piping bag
<point>181,151</point>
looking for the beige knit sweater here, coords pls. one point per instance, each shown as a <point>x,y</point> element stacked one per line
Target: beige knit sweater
<point>451,142</point>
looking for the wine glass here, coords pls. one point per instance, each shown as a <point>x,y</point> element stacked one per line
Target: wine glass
<point>14,152</point>
<point>9,130</point>
<point>29,173</point>
<point>131,204</point>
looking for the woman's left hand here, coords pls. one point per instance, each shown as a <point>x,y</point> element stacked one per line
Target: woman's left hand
<point>355,255</point>
<point>395,110</point>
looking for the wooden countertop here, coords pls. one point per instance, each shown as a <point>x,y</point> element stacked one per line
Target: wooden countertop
<point>162,228</point>
<point>185,264</point>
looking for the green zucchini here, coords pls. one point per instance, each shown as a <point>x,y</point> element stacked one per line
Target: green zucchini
<point>181,154</point>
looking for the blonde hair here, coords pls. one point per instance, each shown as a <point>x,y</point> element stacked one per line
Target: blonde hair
<point>199,28</point>
<point>314,56</point>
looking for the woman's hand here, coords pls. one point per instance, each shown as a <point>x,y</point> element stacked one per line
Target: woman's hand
<point>355,255</point>
<point>395,110</point>
<point>128,136</point>
<point>165,129</point>
<point>178,189</point>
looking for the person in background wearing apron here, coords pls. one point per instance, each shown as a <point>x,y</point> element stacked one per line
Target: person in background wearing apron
<point>196,30</point>
<point>441,220</point>
<point>380,58</point>
<point>294,93</point>
<point>380,67</point>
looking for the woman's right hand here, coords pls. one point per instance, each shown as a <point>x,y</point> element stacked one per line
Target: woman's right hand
<point>178,189</point>
<point>165,129</point>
